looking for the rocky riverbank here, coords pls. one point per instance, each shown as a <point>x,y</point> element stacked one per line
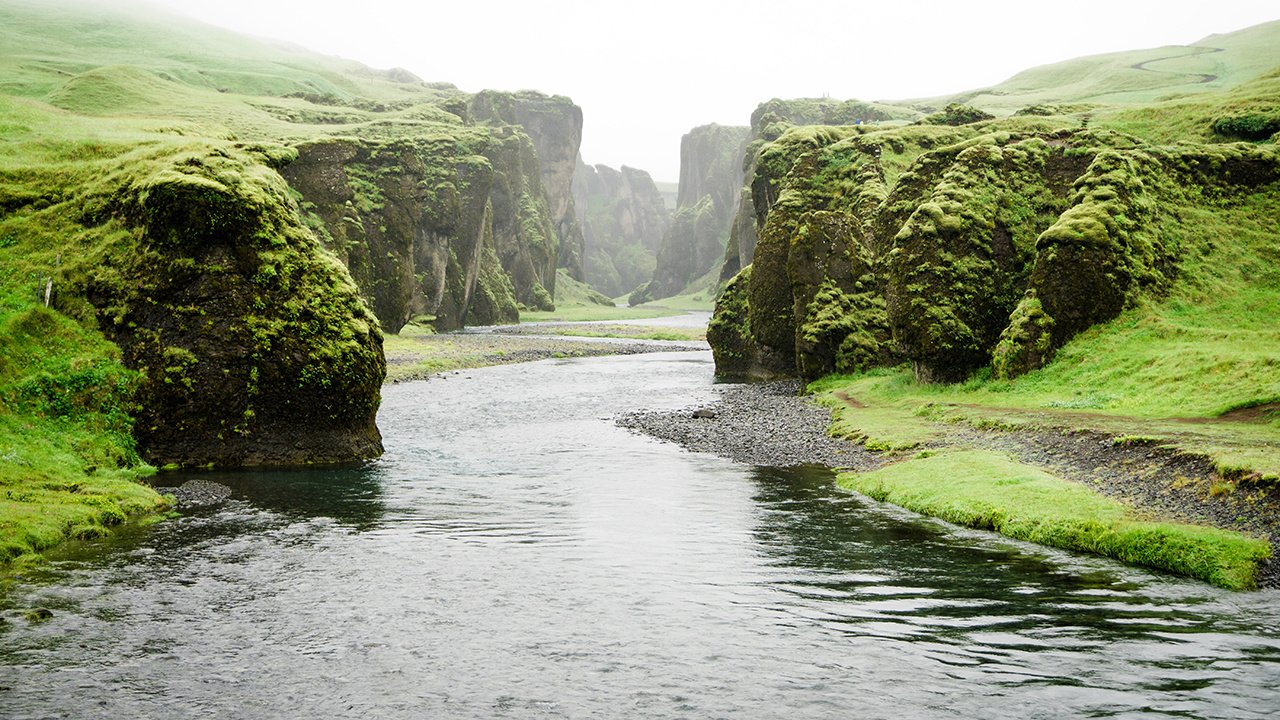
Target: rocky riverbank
<point>760,424</point>
<point>420,357</point>
<point>770,424</point>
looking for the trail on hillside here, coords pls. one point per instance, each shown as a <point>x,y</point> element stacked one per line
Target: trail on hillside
<point>1195,50</point>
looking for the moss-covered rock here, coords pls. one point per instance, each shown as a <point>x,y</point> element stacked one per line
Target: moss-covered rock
<point>493,302</point>
<point>554,124</point>
<point>1027,343</point>
<point>254,345</point>
<point>524,234</point>
<point>960,261</point>
<point>737,354</point>
<point>406,217</point>
<point>623,218</point>
<point>957,114</point>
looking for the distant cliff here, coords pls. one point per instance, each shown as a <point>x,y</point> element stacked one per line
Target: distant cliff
<point>623,218</point>
<point>710,175</point>
<point>460,221</point>
<point>555,125</point>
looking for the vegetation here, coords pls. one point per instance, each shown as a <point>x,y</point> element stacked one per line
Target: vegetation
<point>990,491</point>
<point>1079,248</point>
<point>141,187</point>
<point>68,463</point>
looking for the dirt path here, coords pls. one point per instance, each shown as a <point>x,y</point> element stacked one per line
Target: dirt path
<point>1204,78</point>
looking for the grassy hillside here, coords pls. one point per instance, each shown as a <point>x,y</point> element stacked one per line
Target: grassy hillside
<point>1217,62</point>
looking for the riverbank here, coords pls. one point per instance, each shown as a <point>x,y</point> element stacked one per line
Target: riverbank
<point>1149,503</point>
<point>419,356</point>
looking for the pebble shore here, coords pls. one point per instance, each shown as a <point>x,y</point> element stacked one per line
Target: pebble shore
<point>769,424</point>
<point>759,424</point>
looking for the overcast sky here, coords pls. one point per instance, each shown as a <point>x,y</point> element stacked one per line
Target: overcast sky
<point>644,73</point>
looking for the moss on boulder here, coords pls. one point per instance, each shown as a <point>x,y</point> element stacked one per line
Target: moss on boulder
<point>254,345</point>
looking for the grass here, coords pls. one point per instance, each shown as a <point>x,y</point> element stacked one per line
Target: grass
<point>629,332</point>
<point>990,491</point>
<point>1165,73</point>
<point>1210,344</point>
<point>68,467</point>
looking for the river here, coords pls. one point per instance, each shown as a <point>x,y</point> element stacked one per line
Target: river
<point>517,555</point>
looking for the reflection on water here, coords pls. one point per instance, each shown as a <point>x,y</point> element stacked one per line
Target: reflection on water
<point>517,555</point>
<point>349,495</point>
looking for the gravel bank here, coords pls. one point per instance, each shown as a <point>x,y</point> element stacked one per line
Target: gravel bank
<point>768,424</point>
<point>760,424</point>
<point>1158,481</point>
<point>194,494</point>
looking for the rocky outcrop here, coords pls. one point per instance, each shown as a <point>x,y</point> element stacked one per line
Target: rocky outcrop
<point>524,235</point>
<point>710,175</point>
<point>768,122</point>
<point>253,345</point>
<point>555,125</point>
<point>409,219</point>
<point>623,219</point>
<point>994,246</point>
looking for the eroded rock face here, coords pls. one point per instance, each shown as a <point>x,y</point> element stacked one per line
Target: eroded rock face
<point>255,347</point>
<point>623,218</point>
<point>408,218</point>
<point>555,125</point>
<point>768,122</point>
<point>991,247</point>
<point>710,175</point>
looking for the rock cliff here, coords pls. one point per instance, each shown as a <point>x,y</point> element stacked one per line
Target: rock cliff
<point>623,218</point>
<point>409,218</point>
<point>710,175</point>
<point>253,344</point>
<point>555,125</point>
<point>955,247</point>
<point>768,122</point>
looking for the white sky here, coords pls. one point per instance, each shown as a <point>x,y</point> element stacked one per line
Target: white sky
<point>644,73</point>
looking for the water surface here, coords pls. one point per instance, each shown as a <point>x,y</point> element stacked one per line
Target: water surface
<point>517,555</point>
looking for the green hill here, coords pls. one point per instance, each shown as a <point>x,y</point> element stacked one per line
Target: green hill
<point>1217,62</point>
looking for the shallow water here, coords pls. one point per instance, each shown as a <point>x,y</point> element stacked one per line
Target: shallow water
<point>517,555</point>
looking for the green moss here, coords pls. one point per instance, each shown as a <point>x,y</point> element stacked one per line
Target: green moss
<point>729,331</point>
<point>1027,343</point>
<point>961,259</point>
<point>843,332</point>
<point>957,114</point>
<point>990,491</point>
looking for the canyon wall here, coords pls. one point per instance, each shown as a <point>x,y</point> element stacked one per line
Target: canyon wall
<point>623,218</point>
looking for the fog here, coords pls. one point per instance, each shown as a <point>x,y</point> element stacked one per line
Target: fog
<point>645,73</point>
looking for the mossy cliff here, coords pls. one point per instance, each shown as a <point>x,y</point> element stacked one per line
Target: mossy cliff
<point>758,186</point>
<point>555,125</point>
<point>955,246</point>
<point>215,221</point>
<point>409,218</point>
<point>252,345</point>
<point>710,173</point>
<point>623,219</point>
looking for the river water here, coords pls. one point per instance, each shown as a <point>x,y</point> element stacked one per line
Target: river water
<point>516,555</point>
